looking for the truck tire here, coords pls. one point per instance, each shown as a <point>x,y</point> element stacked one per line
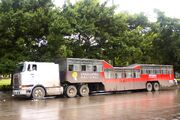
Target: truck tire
<point>38,93</point>
<point>156,86</point>
<point>83,90</point>
<point>149,87</point>
<point>70,91</point>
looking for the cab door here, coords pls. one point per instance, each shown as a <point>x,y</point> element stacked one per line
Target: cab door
<point>31,76</point>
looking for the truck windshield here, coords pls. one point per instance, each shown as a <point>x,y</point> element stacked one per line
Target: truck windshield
<point>19,68</point>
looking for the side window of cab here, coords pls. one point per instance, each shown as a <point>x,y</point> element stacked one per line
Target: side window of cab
<point>32,67</point>
<point>29,67</point>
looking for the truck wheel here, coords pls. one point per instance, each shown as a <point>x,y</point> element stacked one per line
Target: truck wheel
<point>156,86</point>
<point>71,91</point>
<point>149,87</point>
<point>38,93</point>
<point>83,90</point>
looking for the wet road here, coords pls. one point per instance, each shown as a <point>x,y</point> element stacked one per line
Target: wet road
<point>163,105</point>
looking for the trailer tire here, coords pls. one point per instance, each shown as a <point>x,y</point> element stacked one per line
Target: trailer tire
<point>83,90</point>
<point>38,93</point>
<point>156,86</point>
<point>70,91</point>
<point>149,87</point>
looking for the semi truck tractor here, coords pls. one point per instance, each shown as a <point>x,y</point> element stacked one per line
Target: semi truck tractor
<point>79,77</point>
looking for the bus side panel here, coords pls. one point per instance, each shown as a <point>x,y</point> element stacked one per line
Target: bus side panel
<point>83,77</point>
<point>166,80</point>
<point>139,83</point>
<point>128,83</point>
<point>124,84</point>
<point>120,84</point>
<point>166,83</point>
<point>113,85</point>
<point>110,86</point>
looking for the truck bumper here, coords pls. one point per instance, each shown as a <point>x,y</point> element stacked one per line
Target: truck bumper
<point>22,92</point>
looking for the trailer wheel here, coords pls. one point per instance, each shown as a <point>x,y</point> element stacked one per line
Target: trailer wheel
<point>156,86</point>
<point>70,91</point>
<point>83,90</point>
<point>149,87</point>
<point>38,93</point>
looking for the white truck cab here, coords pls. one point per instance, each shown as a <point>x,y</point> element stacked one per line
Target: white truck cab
<point>37,79</point>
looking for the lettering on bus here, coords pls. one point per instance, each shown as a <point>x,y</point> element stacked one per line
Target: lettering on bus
<point>152,76</point>
<point>89,75</point>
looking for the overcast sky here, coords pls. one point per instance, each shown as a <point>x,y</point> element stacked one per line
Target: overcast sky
<point>170,7</point>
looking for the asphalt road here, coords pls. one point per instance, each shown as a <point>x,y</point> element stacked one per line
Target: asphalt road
<point>163,105</point>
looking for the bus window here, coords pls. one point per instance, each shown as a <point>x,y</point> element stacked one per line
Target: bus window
<point>151,71</point>
<point>89,68</point>
<point>136,74</point>
<point>170,70</point>
<point>143,71</point>
<point>124,75</point>
<point>83,67</point>
<point>109,74</point>
<point>99,68</point>
<point>147,71</point>
<point>163,70</point>
<point>106,74</point>
<point>94,68</point>
<point>157,71</point>
<point>70,67</point>
<point>118,74</point>
<point>128,74</point>
<point>76,67</point>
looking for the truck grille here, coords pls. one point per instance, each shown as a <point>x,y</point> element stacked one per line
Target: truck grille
<point>16,83</point>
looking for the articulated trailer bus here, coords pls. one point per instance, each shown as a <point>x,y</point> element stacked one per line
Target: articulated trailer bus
<point>75,76</point>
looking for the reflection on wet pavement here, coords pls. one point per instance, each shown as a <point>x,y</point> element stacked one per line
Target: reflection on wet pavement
<point>163,105</point>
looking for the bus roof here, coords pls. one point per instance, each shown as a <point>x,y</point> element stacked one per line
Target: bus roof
<point>138,66</point>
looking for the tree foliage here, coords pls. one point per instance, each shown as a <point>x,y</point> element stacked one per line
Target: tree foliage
<point>86,29</point>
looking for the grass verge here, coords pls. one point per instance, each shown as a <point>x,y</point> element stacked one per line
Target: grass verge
<point>5,84</point>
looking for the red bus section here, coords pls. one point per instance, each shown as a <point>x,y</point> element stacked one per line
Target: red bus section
<point>99,75</point>
<point>139,76</point>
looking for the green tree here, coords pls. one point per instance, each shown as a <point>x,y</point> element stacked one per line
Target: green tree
<point>94,28</point>
<point>133,43</point>
<point>167,44</point>
<point>22,23</point>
